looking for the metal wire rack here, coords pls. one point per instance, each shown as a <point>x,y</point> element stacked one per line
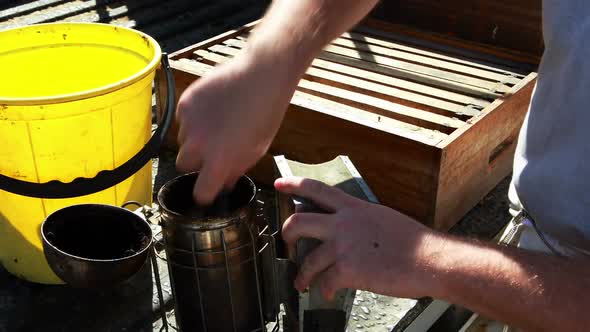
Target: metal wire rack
<point>262,246</point>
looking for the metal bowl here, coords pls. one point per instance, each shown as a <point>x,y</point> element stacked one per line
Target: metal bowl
<point>95,245</point>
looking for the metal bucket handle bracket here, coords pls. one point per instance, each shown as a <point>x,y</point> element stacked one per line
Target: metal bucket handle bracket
<point>108,178</point>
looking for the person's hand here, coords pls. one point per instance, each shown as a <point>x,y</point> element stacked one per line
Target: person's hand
<point>365,246</point>
<point>227,121</point>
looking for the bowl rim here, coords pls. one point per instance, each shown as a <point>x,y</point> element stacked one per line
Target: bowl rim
<point>114,207</point>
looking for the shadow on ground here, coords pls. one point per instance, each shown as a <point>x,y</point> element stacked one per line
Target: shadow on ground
<point>174,24</point>
<point>31,307</point>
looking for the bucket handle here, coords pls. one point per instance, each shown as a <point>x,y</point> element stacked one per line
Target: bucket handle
<point>108,178</point>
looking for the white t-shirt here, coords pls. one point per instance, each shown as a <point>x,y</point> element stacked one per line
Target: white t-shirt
<point>551,177</point>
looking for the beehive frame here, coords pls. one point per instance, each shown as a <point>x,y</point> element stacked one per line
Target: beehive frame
<point>431,126</point>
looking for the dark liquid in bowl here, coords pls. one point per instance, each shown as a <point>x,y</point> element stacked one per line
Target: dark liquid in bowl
<point>97,234</point>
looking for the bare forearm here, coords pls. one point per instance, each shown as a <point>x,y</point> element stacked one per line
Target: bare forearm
<point>293,32</point>
<point>533,291</point>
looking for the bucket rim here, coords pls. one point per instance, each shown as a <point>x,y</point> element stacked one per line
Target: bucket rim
<point>86,94</point>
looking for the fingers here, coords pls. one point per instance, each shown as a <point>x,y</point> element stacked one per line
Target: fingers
<point>310,225</point>
<point>182,108</point>
<point>331,281</point>
<point>326,197</point>
<point>317,261</point>
<point>188,158</point>
<point>231,181</point>
<point>210,182</point>
<point>215,174</point>
<point>211,177</point>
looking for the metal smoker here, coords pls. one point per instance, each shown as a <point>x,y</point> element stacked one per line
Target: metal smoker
<point>228,266</point>
<point>212,257</point>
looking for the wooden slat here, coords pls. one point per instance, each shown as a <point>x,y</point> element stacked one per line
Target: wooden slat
<point>415,54</point>
<point>188,51</point>
<point>418,89</point>
<point>389,93</point>
<point>382,107</point>
<point>419,72</point>
<point>377,89</point>
<point>379,106</point>
<point>367,119</point>
<point>424,93</point>
<point>216,54</point>
<point>432,81</point>
<point>404,68</point>
<point>426,61</point>
<point>332,108</point>
<point>432,54</point>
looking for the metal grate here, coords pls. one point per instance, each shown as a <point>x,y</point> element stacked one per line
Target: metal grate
<point>263,247</point>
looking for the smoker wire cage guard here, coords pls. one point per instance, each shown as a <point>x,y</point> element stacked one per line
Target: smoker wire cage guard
<point>223,264</point>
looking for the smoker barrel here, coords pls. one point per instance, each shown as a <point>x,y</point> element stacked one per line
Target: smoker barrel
<point>211,257</point>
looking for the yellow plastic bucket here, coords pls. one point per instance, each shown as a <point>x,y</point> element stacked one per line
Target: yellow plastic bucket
<point>75,100</point>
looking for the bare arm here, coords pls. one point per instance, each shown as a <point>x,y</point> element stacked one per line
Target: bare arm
<point>534,291</point>
<point>228,119</point>
<point>293,32</point>
<point>372,247</point>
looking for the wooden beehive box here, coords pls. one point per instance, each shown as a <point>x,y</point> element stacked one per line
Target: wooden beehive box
<point>429,119</point>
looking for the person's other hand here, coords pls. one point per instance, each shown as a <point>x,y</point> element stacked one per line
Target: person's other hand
<point>365,246</point>
<point>227,121</point>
